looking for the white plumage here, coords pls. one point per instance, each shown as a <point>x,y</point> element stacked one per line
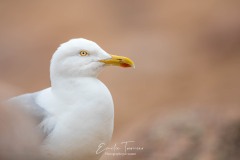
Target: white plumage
<point>76,113</point>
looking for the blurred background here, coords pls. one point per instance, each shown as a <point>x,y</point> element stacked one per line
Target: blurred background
<point>181,102</point>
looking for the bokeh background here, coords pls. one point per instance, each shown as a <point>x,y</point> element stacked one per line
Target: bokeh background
<point>181,102</point>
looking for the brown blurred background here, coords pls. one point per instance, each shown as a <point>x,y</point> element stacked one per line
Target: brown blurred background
<point>182,100</point>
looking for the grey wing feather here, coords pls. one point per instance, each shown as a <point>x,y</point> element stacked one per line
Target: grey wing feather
<point>27,103</point>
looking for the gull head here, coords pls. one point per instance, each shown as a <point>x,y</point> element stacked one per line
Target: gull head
<point>81,57</point>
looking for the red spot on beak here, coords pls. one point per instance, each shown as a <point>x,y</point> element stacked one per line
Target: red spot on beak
<point>125,65</point>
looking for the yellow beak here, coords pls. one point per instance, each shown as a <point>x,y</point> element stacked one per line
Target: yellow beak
<point>119,61</point>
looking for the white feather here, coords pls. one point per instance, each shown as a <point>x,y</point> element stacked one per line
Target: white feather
<point>78,108</point>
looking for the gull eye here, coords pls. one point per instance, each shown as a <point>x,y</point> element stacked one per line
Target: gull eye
<point>83,53</point>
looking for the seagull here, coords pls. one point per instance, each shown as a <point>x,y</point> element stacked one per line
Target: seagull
<point>76,113</point>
